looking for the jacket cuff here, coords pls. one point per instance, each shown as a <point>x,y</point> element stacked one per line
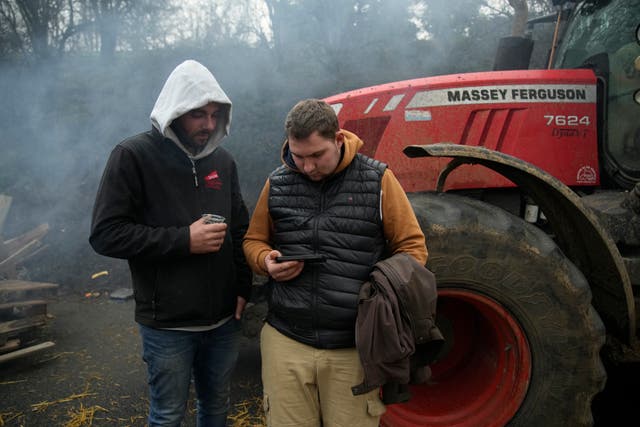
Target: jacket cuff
<point>183,241</point>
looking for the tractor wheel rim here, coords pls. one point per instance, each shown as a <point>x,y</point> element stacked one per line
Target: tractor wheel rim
<point>482,375</point>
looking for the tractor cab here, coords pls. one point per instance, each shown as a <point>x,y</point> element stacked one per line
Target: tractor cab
<point>605,35</point>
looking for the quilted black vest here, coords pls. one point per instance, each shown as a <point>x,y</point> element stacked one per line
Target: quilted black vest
<point>340,218</point>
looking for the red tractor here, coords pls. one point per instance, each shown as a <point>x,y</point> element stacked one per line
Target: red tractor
<point>525,183</point>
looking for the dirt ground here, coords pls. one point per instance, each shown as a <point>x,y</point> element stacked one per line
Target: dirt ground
<point>94,375</point>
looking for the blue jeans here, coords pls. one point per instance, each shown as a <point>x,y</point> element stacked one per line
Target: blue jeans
<point>173,356</point>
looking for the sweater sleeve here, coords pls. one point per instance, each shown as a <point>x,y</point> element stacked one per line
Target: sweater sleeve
<point>401,228</point>
<point>257,241</point>
<point>117,229</point>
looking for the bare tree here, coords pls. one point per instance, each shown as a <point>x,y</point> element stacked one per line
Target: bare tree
<point>520,16</point>
<point>31,20</point>
<point>10,38</point>
<point>47,27</point>
<point>336,34</point>
<point>41,27</point>
<point>111,21</point>
<point>106,22</point>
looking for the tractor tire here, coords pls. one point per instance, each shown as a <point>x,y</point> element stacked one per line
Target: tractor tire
<point>522,339</point>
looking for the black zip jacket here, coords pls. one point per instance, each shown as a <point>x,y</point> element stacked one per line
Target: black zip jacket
<point>150,193</point>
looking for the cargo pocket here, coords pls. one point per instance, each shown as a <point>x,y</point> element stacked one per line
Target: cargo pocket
<point>266,409</point>
<point>375,407</point>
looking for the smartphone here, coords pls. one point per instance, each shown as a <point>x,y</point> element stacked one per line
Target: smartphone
<point>302,257</point>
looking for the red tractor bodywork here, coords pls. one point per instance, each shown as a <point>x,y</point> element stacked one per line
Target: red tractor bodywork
<point>545,117</point>
<point>526,184</point>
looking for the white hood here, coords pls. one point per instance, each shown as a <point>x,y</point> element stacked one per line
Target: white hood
<point>190,85</point>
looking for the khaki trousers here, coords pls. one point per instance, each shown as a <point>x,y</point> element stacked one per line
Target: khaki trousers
<point>309,387</point>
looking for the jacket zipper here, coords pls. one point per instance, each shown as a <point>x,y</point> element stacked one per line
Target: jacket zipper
<point>195,182</point>
<point>315,270</point>
<point>193,171</point>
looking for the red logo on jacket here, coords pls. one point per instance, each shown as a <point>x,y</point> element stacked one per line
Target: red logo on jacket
<point>213,181</point>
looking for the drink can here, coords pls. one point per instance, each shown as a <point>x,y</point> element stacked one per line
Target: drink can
<point>212,218</point>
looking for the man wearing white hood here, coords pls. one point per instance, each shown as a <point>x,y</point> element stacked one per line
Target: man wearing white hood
<point>190,278</point>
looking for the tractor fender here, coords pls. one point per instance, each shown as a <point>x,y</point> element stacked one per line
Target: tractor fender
<point>577,230</point>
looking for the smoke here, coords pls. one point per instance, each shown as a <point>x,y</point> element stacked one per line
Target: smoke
<point>61,120</point>
<point>61,117</point>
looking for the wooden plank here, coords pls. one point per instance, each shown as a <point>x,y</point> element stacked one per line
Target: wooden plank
<point>20,254</point>
<point>33,252</point>
<point>10,345</point>
<point>36,233</point>
<point>8,265</point>
<point>15,251</point>
<point>22,304</point>
<point>20,290</point>
<point>22,309</point>
<point>21,285</point>
<point>5,205</point>
<point>8,270</point>
<point>26,351</point>
<point>13,328</point>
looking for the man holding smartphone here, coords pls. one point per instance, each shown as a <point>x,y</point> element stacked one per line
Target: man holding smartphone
<point>349,212</point>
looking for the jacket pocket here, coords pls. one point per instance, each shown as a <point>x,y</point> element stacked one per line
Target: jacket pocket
<point>266,409</point>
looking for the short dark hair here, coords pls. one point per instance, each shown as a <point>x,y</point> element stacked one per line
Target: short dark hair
<point>311,115</point>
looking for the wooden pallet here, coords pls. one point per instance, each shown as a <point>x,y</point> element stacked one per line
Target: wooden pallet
<point>23,304</point>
